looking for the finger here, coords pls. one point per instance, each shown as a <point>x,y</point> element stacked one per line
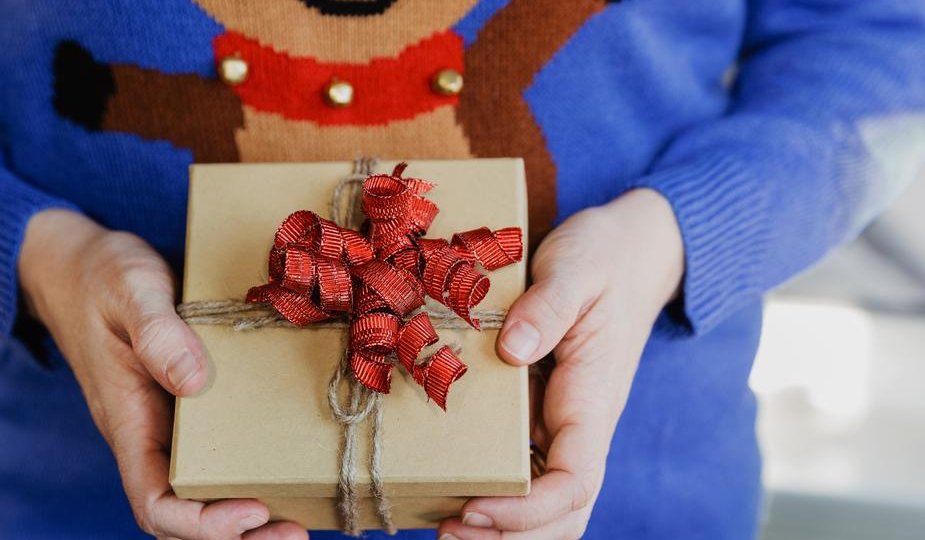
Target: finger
<point>570,527</point>
<point>221,520</point>
<point>538,320</point>
<point>283,530</point>
<point>164,343</point>
<point>170,352</point>
<point>575,464</point>
<point>159,511</point>
<point>140,446</point>
<point>552,496</point>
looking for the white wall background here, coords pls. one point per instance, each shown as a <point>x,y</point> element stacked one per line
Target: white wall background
<point>840,377</point>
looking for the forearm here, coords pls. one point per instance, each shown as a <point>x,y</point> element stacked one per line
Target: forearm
<point>803,159</point>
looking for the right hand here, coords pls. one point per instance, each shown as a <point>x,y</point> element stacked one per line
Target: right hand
<point>108,300</point>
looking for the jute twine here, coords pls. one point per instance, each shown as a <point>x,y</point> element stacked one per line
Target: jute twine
<point>360,403</point>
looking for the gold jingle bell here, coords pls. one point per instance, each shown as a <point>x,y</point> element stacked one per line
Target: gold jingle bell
<point>447,82</point>
<point>233,70</point>
<point>338,93</point>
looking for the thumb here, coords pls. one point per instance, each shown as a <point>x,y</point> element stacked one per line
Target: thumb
<point>165,344</point>
<point>538,321</point>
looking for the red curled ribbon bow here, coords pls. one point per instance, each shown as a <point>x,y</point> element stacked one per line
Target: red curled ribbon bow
<point>319,270</point>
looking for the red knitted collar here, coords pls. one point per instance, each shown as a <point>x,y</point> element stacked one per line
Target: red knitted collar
<point>385,89</point>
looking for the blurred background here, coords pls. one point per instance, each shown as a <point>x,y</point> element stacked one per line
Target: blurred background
<point>840,378</point>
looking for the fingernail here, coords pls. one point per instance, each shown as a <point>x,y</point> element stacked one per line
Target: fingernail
<point>181,369</point>
<point>252,522</point>
<point>474,519</point>
<point>521,340</point>
<point>447,536</point>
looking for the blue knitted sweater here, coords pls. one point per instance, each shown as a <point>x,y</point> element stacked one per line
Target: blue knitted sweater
<point>776,128</point>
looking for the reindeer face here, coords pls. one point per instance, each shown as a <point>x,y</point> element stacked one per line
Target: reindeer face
<point>338,30</point>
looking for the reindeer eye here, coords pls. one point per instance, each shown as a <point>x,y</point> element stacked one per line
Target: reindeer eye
<point>355,8</point>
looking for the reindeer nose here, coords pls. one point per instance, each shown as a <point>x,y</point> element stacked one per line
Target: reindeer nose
<point>232,70</point>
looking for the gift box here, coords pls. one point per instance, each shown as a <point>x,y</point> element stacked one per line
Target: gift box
<point>264,426</point>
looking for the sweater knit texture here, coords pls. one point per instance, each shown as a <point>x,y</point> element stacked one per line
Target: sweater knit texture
<point>777,129</point>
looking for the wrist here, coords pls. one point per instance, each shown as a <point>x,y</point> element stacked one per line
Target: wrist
<point>52,239</point>
<point>648,226</point>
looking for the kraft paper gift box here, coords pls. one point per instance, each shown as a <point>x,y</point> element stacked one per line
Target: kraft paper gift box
<point>263,427</point>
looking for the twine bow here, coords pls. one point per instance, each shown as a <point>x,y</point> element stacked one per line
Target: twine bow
<point>376,278</point>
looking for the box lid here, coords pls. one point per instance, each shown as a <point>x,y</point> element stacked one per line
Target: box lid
<point>262,427</point>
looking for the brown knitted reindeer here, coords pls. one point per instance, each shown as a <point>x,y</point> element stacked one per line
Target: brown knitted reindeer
<point>309,80</point>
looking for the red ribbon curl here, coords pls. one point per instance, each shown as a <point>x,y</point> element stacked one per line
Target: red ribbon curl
<point>319,270</point>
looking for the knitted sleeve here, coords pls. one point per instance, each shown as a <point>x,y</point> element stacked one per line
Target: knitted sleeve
<point>826,125</point>
<point>18,202</point>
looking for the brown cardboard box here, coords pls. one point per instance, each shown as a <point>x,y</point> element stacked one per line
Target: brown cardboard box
<point>263,428</point>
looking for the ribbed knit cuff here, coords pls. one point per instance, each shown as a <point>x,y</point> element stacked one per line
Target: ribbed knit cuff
<point>18,203</point>
<point>723,214</point>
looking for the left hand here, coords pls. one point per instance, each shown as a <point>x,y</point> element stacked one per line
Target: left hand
<point>599,281</point>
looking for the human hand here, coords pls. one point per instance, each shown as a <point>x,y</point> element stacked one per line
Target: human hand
<point>108,300</point>
<point>599,281</point>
